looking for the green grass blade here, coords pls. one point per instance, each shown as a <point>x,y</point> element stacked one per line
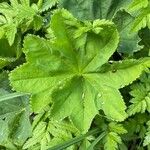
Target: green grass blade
<point>74,140</point>
<point>11,95</point>
<point>91,147</point>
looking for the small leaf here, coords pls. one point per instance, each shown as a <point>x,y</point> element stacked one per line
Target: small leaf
<point>142,20</point>
<point>128,40</point>
<point>112,140</point>
<point>71,66</point>
<point>14,116</point>
<point>141,97</point>
<point>48,4</point>
<point>93,9</point>
<point>147,137</point>
<point>11,31</point>
<point>138,4</point>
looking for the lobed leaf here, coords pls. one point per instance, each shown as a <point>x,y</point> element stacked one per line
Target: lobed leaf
<point>70,67</point>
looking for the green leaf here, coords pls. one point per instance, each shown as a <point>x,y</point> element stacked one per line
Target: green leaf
<point>117,128</point>
<point>74,140</point>
<point>108,9</point>
<point>111,141</point>
<point>11,31</point>
<point>128,40</point>
<point>91,147</point>
<point>38,134</point>
<point>48,4</point>
<point>21,128</point>
<point>14,116</point>
<point>5,61</point>
<point>71,66</point>
<point>37,22</point>
<point>25,2</point>
<point>138,4</point>
<point>11,95</point>
<point>19,15</point>
<point>142,20</point>
<point>49,133</point>
<point>84,144</point>
<point>93,9</point>
<point>4,136</point>
<point>136,125</point>
<point>10,102</point>
<point>9,54</point>
<point>145,51</point>
<point>147,137</point>
<point>112,138</point>
<point>141,97</point>
<point>69,97</point>
<point>15,129</point>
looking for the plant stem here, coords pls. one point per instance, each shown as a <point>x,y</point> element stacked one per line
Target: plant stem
<point>91,147</point>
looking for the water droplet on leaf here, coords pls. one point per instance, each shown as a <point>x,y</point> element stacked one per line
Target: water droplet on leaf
<point>110,61</point>
<point>99,95</point>
<point>114,70</point>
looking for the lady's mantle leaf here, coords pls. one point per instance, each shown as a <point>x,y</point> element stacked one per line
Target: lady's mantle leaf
<point>68,72</point>
<point>108,9</point>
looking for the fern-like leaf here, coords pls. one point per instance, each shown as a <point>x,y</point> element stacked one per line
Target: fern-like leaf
<point>112,139</point>
<point>141,96</point>
<point>19,14</point>
<point>48,133</point>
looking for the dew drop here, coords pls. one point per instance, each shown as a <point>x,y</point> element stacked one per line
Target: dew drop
<point>99,95</point>
<point>103,103</point>
<point>110,61</point>
<point>114,70</point>
<point>83,95</point>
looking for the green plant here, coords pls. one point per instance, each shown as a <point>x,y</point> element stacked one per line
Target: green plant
<point>74,75</point>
